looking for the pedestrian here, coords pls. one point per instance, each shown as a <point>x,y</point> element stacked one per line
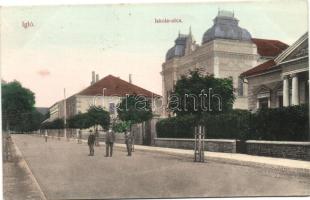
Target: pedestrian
<point>109,141</point>
<point>58,134</point>
<point>45,135</point>
<point>128,142</point>
<point>91,143</point>
<point>97,137</point>
<point>80,136</point>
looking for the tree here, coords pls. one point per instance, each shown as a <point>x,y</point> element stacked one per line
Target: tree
<point>98,116</point>
<point>31,121</point>
<point>198,94</point>
<point>17,103</point>
<point>55,124</point>
<point>134,109</point>
<point>79,121</point>
<point>121,126</point>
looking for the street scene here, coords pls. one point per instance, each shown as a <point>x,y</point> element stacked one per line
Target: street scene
<point>64,172</point>
<point>117,101</point>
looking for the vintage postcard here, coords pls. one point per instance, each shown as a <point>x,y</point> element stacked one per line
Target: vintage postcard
<point>155,100</point>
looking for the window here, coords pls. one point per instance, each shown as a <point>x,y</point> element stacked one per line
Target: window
<point>280,98</point>
<point>240,87</point>
<point>263,103</point>
<point>280,101</point>
<point>263,98</point>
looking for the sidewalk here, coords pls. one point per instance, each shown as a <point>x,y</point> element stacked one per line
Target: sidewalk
<point>18,180</point>
<point>297,167</point>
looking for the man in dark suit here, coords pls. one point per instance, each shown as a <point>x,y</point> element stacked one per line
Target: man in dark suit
<point>128,142</point>
<point>91,143</point>
<point>109,141</point>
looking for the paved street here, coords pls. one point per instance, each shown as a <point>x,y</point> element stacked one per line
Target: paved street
<point>64,171</point>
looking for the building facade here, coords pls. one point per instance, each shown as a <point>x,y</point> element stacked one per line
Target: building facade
<point>226,51</point>
<point>106,93</point>
<point>282,81</point>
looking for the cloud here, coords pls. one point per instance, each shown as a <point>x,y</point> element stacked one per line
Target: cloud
<point>43,72</point>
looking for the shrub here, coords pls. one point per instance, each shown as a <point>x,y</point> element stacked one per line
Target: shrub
<point>176,127</point>
<point>288,123</point>
<point>232,125</point>
<point>281,124</point>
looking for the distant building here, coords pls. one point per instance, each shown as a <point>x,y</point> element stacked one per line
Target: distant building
<point>226,51</point>
<point>106,93</point>
<point>42,110</point>
<point>282,81</point>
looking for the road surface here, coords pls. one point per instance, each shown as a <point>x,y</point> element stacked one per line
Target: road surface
<point>65,171</point>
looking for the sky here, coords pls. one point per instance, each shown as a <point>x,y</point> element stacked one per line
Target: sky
<point>63,44</point>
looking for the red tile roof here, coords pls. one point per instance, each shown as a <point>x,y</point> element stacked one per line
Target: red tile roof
<point>115,87</point>
<point>269,48</point>
<point>260,68</point>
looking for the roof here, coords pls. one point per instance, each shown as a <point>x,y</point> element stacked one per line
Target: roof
<point>260,68</point>
<point>42,110</point>
<point>269,48</point>
<point>115,87</point>
<point>226,27</point>
<point>178,49</point>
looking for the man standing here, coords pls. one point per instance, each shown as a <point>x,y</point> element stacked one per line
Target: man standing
<point>109,141</point>
<point>91,143</point>
<point>80,136</point>
<point>128,142</point>
<point>97,137</point>
<point>45,135</point>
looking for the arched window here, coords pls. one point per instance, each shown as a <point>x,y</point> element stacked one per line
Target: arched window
<point>263,97</point>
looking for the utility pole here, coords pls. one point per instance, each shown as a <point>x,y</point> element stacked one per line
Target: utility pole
<point>65,114</point>
<point>103,89</point>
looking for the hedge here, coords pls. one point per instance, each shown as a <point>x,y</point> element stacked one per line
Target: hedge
<point>281,124</point>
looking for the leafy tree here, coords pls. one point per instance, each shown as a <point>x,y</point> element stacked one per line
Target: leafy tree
<point>197,94</point>
<point>31,121</point>
<point>17,103</point>
<point>98,116</point>
<point>56,124</point>
<point>121,126</point>
<point>80,121</point>
<point>134,109</point>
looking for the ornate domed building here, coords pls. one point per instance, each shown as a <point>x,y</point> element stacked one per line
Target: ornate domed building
<point>226,50</point>
<point>226,27</point>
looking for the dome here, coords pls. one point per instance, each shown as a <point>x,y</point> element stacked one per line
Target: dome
<point>226,27</point>
<point>178,49</point>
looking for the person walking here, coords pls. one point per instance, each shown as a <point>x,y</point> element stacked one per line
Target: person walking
<point>109,141</point>
<point>91,143</point>
<point>128,142</point>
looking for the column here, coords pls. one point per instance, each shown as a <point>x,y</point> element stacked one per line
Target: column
<point>285,91</point>
<point>295,90</point>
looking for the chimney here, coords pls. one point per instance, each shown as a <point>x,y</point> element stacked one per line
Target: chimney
<point>130,81</point>
<point>97,77</point>
<point>92,77</point>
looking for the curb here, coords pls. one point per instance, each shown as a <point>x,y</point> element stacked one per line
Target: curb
<point>23,161</point>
